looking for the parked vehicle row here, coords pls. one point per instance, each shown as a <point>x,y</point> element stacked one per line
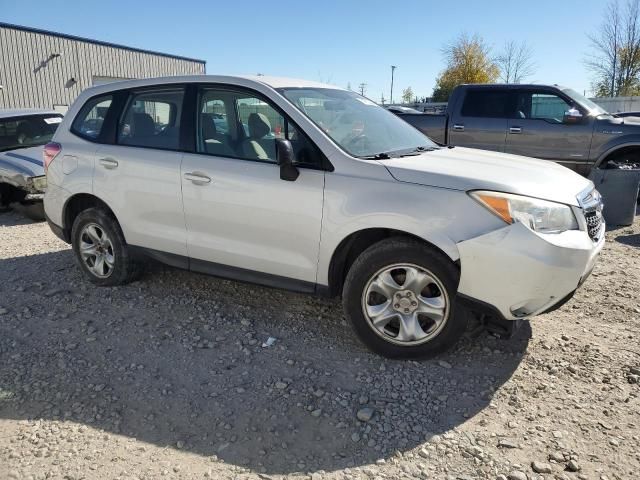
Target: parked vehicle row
<point>316,189</point>
<point>541,121</point>
<point>22,180</point>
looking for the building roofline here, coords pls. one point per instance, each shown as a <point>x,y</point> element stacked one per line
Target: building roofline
<point>96,42</point>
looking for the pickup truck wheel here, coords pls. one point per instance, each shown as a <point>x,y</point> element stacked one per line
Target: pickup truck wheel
<point>399,296</point>
<point>100,249</point>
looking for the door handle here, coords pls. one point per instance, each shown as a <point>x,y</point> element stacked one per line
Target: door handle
<point>515,130</point>
<point>108,163</point>
<point>197,178</point>
<point>458,128</point>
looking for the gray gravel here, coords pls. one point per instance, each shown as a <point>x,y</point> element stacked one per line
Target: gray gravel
<point>168,378</point>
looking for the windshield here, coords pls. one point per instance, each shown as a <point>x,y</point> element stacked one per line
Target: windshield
<point>594,109</point>
<point>356,124</point>
<point>27,131</point>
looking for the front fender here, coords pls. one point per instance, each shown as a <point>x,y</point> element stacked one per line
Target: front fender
<point>439,216</point>
<point>615,144</point>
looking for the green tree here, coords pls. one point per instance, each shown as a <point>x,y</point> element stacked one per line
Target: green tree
<point>407,95</point>
<point>468,60</point>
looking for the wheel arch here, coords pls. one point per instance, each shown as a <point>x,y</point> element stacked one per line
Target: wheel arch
<point>75,205</point>
<point>357,242</point>
<point>617,150</point>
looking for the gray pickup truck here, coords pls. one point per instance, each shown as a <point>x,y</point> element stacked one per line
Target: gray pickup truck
<point>548,122</point>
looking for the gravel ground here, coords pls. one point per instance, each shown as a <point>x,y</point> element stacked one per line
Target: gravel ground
<point>168,378</point>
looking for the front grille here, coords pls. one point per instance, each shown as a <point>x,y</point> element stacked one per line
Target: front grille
<point>591,203</point>
<point>594,222</point>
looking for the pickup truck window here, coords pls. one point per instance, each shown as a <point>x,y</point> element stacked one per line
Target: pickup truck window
<point>541,106</point>
<point>487,104</point>
<point>356,124</point>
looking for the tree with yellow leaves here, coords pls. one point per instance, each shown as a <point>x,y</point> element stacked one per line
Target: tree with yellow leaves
<point>468,60</point>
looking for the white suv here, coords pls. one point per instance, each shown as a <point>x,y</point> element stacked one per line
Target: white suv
<point>312,188</point>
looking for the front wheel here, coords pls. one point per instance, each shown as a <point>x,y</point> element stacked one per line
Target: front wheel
<point>400,295</point>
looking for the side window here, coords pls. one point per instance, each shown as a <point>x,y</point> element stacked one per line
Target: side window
<point>541,106</point>
<point>88,123</point>
<point>215,135</point>
<point>152,119</point>
<point>261,125</point>
<point>486,104</point>
<point>246,127</point>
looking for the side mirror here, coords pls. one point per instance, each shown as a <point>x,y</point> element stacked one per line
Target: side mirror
<point>572,116</point>
<point>286,157</point>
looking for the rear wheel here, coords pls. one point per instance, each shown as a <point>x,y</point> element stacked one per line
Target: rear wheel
<point>399,296</point>
<point>100,249</point>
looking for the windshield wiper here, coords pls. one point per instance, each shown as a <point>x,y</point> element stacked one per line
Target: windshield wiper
<point>417,151</point>
<point>376,156</point>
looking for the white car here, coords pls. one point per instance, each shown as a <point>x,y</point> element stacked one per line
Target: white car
<point>324,192</point>
<point>23,132</point>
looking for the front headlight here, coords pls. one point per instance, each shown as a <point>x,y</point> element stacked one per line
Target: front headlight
<point>539,215</point>
<point>39,183</point>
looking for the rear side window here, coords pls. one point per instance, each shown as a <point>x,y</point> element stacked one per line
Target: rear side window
<point>486,104</point>
<point>90,120</point>
<point>152,119</point>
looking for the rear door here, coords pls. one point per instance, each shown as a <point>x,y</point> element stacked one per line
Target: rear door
<point>138,173</point>
<point>482,119</point>
<point>538,128</point>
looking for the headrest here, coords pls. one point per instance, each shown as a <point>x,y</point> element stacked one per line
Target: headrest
<point>259,125</point>
<point>143,125</point>
<point>208,125</point>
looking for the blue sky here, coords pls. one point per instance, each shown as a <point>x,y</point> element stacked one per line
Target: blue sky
<point>332,41</point>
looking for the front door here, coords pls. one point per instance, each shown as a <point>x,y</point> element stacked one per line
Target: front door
<point>242,220</point>
<point>539,130</point>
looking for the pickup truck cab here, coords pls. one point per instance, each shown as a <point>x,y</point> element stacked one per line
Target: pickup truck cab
<point>542,121</point>
<point>316,189</point>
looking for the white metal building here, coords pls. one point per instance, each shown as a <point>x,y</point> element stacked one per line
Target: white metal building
<point>42,69</point>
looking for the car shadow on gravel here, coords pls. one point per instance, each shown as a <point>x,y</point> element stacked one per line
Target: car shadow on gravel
<point>631,239</point>
<point>177,360</point>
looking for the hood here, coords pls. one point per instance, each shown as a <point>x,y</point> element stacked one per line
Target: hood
<point>470,169</point>
<point>23,161</point>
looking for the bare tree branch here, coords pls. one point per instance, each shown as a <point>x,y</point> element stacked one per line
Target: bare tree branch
<point>515,62</point>
<point>615,51</point>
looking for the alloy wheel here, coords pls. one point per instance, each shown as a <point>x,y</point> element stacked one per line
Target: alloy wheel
<point>405,304</point>
<point>96,250</point>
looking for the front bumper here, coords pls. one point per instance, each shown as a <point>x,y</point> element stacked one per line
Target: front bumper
<point>521,273</point>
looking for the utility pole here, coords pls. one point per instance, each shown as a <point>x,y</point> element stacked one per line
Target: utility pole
<point>393,67</point>
<point>363,88</point>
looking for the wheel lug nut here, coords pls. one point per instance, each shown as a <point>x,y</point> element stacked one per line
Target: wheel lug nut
<point>413,304</point>
<point>396,305</point>
<point>406,310</point>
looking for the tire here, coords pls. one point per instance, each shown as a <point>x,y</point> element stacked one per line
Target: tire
<point>404,259</point>
<point>32,210</point>
<point>95,226</point>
